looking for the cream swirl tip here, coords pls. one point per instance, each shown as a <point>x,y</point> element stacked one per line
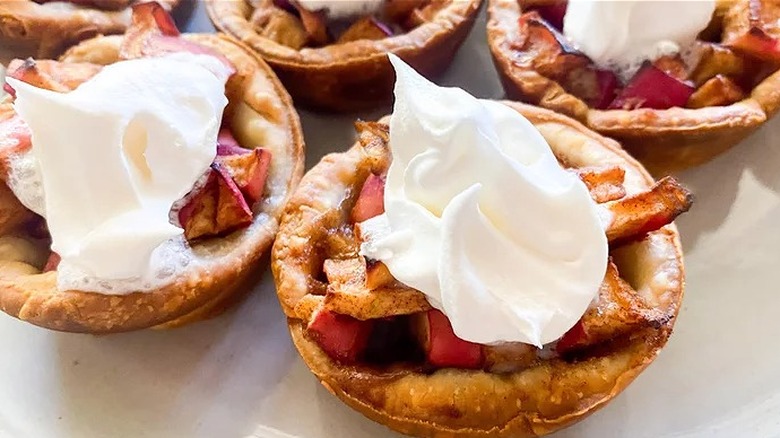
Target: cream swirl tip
<point>481,218</point>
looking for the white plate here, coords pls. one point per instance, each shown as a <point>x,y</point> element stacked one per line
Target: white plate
<point>239,375</point>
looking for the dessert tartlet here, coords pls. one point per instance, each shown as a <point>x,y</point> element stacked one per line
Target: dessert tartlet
<point>332,55</point>
<point>387,350</point>
<point>226,209</point>
<point>44,28</point>
<point>679,109</point>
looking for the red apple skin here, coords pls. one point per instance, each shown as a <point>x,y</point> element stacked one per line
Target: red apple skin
<point>227,144</point>
<point>653,88</point>
<point>232,209</point>
<point>442,348</point>
<point>554,13</point>
<point>199,216</point>
<point>572,339</point>
<point>341,337</point>
<point>608,88</point>
<point>371,201</point>
<point>52,262</point>
<point>255,186</point>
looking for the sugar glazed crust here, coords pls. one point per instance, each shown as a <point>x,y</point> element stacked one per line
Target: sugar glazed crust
<point>549,395</point>
<point>261,113</point>
<point>354,75</point>
<point>663,140</point>
<point>44,30</point>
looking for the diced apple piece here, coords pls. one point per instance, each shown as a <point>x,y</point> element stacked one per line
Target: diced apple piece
<point>52,262</point>
<point>280,26</point>
<point>153,32</point>
<point>398,11</point>
<point>553,55</point>
<point>553,13</point>
<point>424,14</point>
<point>618,310</point>
<point>673,66</point>
<point>199,216</point>
<point>715,59</point>
<point>718,91</point>
<point>232,209</point>
<point>347,293</point>
<point>315,25</point>
<point>227,144</point>
<point>218,207</point>
<point>371,201</point>
<point>508,357</point>
<point>604,183</point>
<point>248,170</point>
<point>341,337</point>
<point>377,275</point>
<point>751,26</point>
<point>442,348</point>
<point>50,75</point>
<point>367,28</point>
<point>596,87</point>
<point>285,5</point>
<point>653,88</point>
<point>635,216</point>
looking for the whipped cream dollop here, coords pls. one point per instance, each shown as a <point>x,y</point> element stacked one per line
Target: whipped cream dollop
<point>343,8</point>
<point>110,158</point>
<point>481,218</point>
<point>620,35</point>
<point>3,94</point>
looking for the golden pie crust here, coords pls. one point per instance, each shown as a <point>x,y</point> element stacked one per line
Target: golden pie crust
<point>261,113</point>
<point>355,75</point>
<point>465,403</point>
<point>45,30</point>
<point>663,140</point>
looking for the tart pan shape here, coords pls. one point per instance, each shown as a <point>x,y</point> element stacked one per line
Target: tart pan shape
<point>261,113</point>
<point>663,140</point>
<point>354,75</point>
<point>44,30</point>
<point>466,403</point>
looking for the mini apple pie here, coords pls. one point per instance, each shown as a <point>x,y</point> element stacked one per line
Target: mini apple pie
<point>44,28</point>
<point>675,82</point>
<point>511,295</point>
<point>331,54</point>
<point>143,176</point>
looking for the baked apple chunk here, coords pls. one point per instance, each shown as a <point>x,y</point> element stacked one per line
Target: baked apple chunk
<point>343,307</point>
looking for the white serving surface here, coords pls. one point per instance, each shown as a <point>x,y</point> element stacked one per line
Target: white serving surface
<point>239,375</point>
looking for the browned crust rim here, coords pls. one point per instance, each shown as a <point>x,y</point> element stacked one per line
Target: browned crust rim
<point>323,77</point>
<point>460,403</point>
<point>43,30</point>
<point>662,139</point>
<point>225,262</point>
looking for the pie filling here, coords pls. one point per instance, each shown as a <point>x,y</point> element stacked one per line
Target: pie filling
<point>314,23</point>
<point>369,318</point>
<point>733,54</point>
<point>222,199</point>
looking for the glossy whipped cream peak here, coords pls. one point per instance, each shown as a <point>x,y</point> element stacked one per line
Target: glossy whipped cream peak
<point>111,158</point>
<point>482,219</point>
<point>620,35</point>
<point>343,8</point>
